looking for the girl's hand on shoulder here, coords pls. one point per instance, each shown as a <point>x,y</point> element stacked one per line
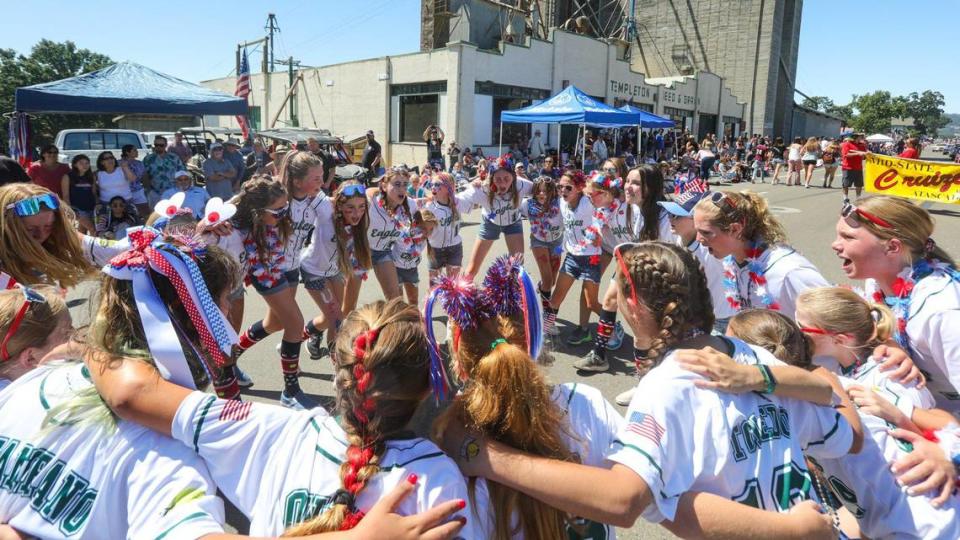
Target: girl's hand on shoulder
<point>434,524</point>
<point>224,228</point>
<point>901,367</point>
<point>721,371</point>
<point>869,402</point>
<point>926,469</point>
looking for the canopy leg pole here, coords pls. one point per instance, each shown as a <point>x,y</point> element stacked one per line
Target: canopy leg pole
<point>500,145</point>
<point>559,149</point>
<point>637,149</point>
<point>583,151</point>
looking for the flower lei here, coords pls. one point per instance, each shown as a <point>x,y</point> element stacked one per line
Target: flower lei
<point>265,271</point>
<point>756,271</point>
<point>541,217</point>
<point>592,235</point>
<point>411,241</point>
<point>398,223</point>
<point>354,262</point>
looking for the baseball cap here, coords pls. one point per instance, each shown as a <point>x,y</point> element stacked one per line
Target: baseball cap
<point>233,142</point>
<point>682,204</point>
<point>370,132</point>
<point>216,146</point>
<point>181,174</point>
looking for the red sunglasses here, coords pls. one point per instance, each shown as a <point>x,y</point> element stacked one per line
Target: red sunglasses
<point>626,273</point>
<point>817,331</point>
<point>30,296</point>
<point>849,210</point>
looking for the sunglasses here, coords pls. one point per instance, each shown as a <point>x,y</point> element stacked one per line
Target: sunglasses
<point>278,213</point>
<point>612,171</point>
<point>723,201</point>
<point>401,185</point>
<point>435,186</point>
<point>566,187</point>
<point>33,205</point>
<point>850,211</point>
<point>30,296</point>
<point>817,331</point>
<point>618,253</point>
<point>353,190</point>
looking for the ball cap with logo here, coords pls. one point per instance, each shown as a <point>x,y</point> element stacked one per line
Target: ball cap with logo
<point>682,204</point>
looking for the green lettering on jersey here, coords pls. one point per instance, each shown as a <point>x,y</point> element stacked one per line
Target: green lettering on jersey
<point>751,494</point>
<point>847,496</point>
<point>76,518</point>
<point>71,488</point>
<point>42,489</point>
<point>770,422</point>
<point>7,446</point>
<point>791,484</point>
<point>301,505</point>
<point>12,478</point>
<point>38,461</point>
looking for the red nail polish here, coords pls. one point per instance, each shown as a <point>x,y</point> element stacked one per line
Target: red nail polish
<point>462,504</point>
<point>412,479</point>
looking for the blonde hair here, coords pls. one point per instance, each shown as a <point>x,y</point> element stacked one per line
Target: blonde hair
<point>812,145</point>
<point>912,225</point>
<point>296,166</point>
<point>377,395</point>
<point>748,209</point>
<point>451,184</point>
<point>774,332</point>
<point>38,321</point>
<point>361,246</point>
<point>842,311</point>
<point>59,259</point>
<point>507,398</point>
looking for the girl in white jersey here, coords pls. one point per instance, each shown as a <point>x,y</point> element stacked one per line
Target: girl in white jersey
<point>302,177</point>
<point>862,482</point>
<point>760,269</point>
<point>494,352</point>
<point>305,472</point>
<point>500,200</point>
<point>446,245</point>
<point>261,229</point>
<point>888,242</point>
<point>32,322</point>
<point>662,452</point>
<point>390,212</point>
<point>337,257</point>
<point>542,210</point>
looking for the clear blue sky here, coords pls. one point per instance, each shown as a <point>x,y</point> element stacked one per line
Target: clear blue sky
<point>846,47</point>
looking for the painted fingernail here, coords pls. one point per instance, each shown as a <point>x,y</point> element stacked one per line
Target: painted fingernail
<point>462,504</point>
<point>412,479</point>
<point>462,520</point>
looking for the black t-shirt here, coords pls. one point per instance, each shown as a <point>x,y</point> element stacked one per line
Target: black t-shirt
<point>370,153</point>
<point>778,150</point>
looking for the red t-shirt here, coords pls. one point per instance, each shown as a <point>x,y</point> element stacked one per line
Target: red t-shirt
<point>48,178</point>
<point>852,163</point>
<point>910,153</point>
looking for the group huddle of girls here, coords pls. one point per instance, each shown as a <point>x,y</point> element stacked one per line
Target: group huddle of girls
<point>770,404</point>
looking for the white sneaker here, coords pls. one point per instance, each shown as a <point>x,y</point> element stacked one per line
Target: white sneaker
<point>624,398</point>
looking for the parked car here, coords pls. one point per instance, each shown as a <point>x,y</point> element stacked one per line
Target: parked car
<point>93,141</point>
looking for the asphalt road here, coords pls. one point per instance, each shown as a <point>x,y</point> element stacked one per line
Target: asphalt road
<point>809,216</point>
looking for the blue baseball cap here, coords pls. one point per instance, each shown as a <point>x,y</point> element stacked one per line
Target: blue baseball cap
<point>682,204</point>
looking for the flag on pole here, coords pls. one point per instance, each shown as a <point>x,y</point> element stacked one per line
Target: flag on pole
<point>19,138</point>
<point>243,90</point>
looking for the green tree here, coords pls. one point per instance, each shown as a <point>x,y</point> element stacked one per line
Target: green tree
<point>876,110</point>
<point>927,112</point>
<point>49,61</point>
<point>843,111</point>
<point>818,103</point>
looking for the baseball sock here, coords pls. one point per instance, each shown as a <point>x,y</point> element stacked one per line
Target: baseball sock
<point>290,365</point>
<point>251,336</point>
<point>604,331</point>
<point>310,330</point>
<point>226,386</point>
<point>549,317</point>
<point>544,299</point>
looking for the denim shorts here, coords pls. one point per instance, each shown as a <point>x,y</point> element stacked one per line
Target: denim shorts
<point>288,279</point>
<point>580,268</point>
<point>408,275</point>
<point>491,231</point>
<point>551,247</point>
<point>448,256</point>
<point>378,256</point>
<point>313,282</point>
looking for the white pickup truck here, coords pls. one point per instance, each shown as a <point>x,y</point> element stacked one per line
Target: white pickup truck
<point>91,142</point>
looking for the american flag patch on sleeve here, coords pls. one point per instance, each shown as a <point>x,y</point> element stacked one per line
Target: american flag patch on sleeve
<point>235,411</point>
<point>646,426</point>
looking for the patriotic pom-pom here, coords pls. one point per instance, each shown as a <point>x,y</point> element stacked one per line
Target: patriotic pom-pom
<point>459,298</point>
<point>501,288</point>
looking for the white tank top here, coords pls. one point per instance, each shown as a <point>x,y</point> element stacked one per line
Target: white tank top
<point>113,185</point>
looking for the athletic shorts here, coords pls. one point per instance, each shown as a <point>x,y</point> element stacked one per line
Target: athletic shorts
<point>852,178</point>
<point>491,231</point>
<point>448,256</point>
<point>580,268</point>
<point>551,247</point>
<point>807,162</point>
<point>378,256</point>
<point>313,282</point>
<point>288,279</point>
<point>408,275</point>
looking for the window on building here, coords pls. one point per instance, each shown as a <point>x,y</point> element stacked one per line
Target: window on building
<point>512,133</point>
<point>416,113</point>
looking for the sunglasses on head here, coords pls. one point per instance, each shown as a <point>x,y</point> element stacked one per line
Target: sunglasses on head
<point>353,190</point>
<point>30,296</point>
<point>33,205</point>
<point>622,265</point>
<point>278,213</point>
<point>850,211</point>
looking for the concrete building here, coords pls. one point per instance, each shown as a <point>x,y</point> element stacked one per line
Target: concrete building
<point>812,123</point>
<point>752,44</point>
<point>462,89</point>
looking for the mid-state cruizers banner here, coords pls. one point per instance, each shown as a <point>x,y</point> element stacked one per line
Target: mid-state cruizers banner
<point>932,181</point>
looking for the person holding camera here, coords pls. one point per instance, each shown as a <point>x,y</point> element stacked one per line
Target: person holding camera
<point>433,136</point>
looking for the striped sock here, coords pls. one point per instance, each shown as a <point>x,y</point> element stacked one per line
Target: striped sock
<point>310,330</point>
<point>251,336</point>
<point>290,365</point>
<point>226,386</point>
<point>604,331</point>
<point>549,317</point>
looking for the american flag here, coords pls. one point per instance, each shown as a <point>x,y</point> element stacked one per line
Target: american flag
<point>243,90</point>
<point>646,426</point>
<point>235,410</point>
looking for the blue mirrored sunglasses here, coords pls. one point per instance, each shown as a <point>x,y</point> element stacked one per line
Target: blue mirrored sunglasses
<point>33,205</point>
<point>353,190</point>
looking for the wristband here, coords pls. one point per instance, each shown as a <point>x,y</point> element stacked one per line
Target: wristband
<point>768,378</point>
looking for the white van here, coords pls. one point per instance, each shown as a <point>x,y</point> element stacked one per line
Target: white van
<point>91,142</point>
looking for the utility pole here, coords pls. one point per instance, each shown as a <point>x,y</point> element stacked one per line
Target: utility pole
<point>271,27</point>
<point>292,66</point>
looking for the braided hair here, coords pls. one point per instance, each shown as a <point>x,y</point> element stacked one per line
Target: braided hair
<point>670,283</point>
<point>382,376</point>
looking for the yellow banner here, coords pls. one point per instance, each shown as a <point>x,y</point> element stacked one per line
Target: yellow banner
<point>933,181</point>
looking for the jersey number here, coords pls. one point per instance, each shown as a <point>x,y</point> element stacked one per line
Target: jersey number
<point>790,484</point>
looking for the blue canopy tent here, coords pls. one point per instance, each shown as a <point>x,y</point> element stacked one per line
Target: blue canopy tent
<point>647,120</point>
<point>571,106</point>
<point>126,87</point>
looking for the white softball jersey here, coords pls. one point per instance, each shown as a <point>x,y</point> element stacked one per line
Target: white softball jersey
<point>550,228</point>
<point>383,232</point>
<point>303,219</point>
<point>320,255</point>
<point>748,447</point>
<point>788,274</point>
<point>593,423</point>
<point>446,232</point>
<point>934,339</point>
<point>575,222</point>
<point>88,482</point>
<point>713,269</point>
<point>282,467</point>
<point>99,251</point>
<point>502,211</point>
